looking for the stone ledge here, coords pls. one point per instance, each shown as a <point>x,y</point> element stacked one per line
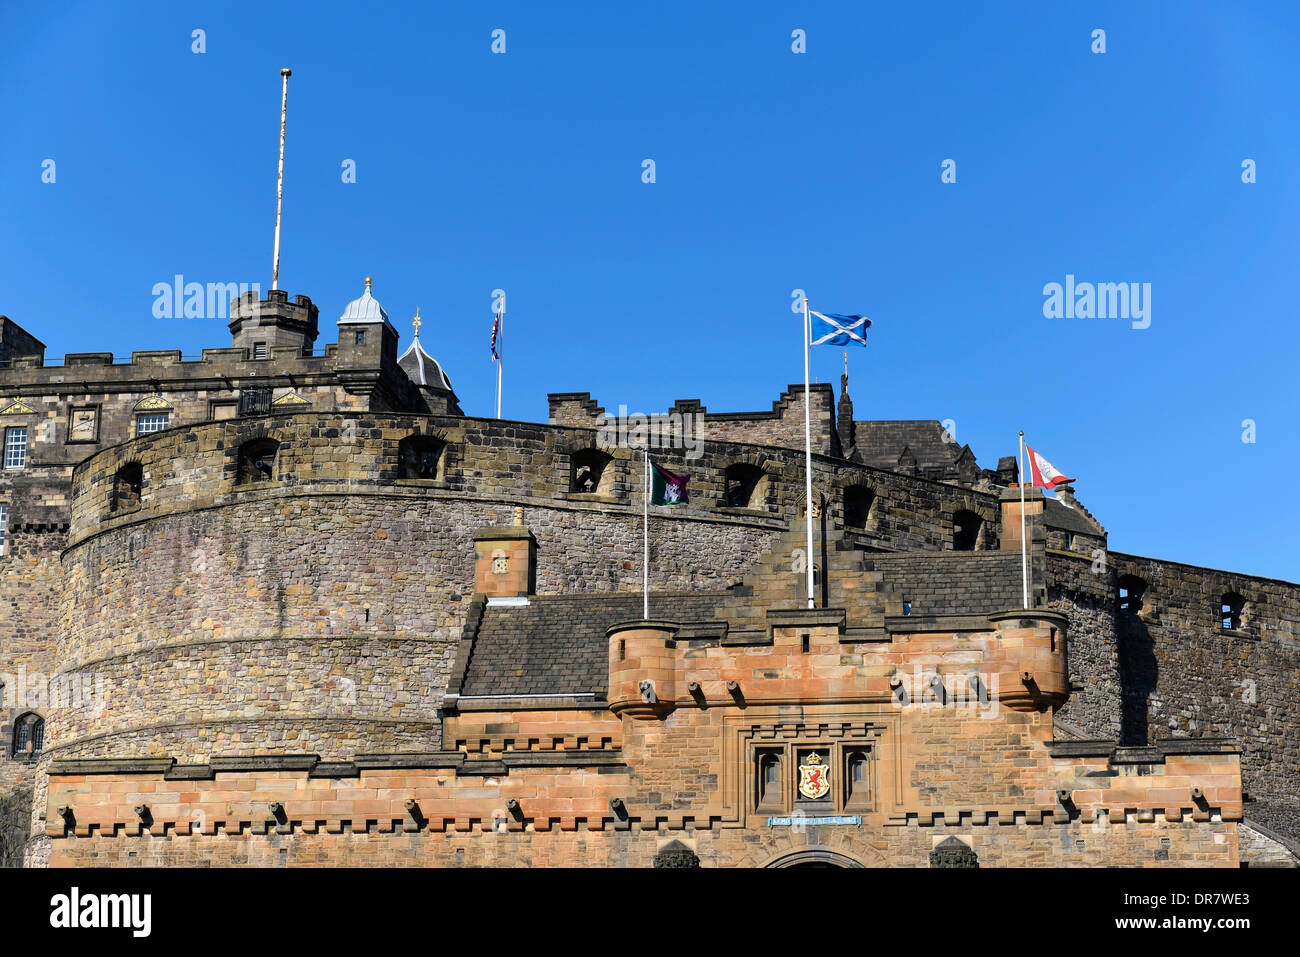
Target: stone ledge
<point>806,618</point>
<point>913,624</point>
<point>455,704</point>
<point>498,533</point>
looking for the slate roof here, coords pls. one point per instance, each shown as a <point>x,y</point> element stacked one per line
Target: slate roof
<point>556,644</point>
<point>1279,815</point>
<point>1070,519</point>
<point>880,443</point>
<point>422,368</point>
<point>952,583</point>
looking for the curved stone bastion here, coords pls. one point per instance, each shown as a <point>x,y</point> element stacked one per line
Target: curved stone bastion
<point>278,585</point>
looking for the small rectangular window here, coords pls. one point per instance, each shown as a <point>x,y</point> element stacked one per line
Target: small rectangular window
<point>361,337</point>
<point>259,350</point>
<point>4,528</point>
<point>767,789</point>
<point>254,401</point>
<point>857,777</point>
<point>16,447</point>
<point>146,424</point>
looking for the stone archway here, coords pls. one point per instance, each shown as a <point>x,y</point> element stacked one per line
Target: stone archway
<point>814,857</point>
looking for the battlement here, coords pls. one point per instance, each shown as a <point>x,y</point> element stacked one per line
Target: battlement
<point>1016,660</point>
<point>783,426</point>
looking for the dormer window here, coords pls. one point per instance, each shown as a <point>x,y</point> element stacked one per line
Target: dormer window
<point>154,422</point>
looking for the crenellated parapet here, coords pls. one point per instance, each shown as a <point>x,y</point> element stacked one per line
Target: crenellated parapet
<point>1014,659</point>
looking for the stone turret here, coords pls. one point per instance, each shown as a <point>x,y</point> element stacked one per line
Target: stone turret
<point>273,324</point>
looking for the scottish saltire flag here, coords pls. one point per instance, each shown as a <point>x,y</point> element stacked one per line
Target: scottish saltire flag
<point>496,328</point>
<point>668,488</point>
<point>831,329</point>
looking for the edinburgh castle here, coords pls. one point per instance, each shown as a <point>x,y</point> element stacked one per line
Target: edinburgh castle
<point>282,604</point>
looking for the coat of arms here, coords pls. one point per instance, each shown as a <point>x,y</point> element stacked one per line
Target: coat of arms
<point>814,778</point>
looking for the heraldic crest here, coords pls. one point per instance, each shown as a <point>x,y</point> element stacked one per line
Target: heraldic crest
<point>814,778</point>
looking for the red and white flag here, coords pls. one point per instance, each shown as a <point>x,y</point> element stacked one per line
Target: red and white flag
<point>1043,474</point>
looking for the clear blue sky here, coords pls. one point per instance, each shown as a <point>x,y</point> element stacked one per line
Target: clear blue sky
<point>774,170</point>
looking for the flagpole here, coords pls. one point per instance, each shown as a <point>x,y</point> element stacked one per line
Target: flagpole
<point>501,351</point>
<point>1024,553</point>
<point>645,521</point>
<point>807,446</point>
<point>279,177</point>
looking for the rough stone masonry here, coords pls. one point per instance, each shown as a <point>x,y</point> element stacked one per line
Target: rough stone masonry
<point>279,605</point>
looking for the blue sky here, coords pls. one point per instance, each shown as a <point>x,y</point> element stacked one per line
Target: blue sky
<point>774,171</point>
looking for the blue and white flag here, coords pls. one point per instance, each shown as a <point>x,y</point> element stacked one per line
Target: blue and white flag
<point>829,329</point>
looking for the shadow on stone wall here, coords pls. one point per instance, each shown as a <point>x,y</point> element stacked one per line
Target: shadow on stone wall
<point>1138,673</point>
<point>15,823</point>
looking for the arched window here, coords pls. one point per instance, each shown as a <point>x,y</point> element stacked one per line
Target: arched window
<point>257,461</point>
<point>1131,591</point>
<point>421,457</point>
<point>965,531</point>
<point>858,779</point>
<point>127,484</point>
<point>1230,607</point>
<point>587,470</point>
<point>29,735</point>
<point>858,500</point>
<point>743,486</point>
<point>769,778</point>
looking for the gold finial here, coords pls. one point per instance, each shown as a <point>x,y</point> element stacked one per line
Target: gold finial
<point>416,322</point>
<point>369,280</point>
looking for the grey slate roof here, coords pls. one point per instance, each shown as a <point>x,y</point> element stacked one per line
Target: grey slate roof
<point>1279,815</point>
<point>556,644</point>
<point>422,368</point>
<point>952,583</point>
<point>1070,519</point>
<point>880,443</point>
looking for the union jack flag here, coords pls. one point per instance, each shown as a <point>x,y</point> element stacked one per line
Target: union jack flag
<point>496,329</point>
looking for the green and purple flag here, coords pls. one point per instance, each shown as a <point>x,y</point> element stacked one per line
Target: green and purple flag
<point>668,488</point>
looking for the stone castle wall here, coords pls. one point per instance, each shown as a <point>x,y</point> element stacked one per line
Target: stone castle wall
<point>340,565</point>
<point>1172,670</point>
<point>329,601</point>
<point>1182,674</point>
